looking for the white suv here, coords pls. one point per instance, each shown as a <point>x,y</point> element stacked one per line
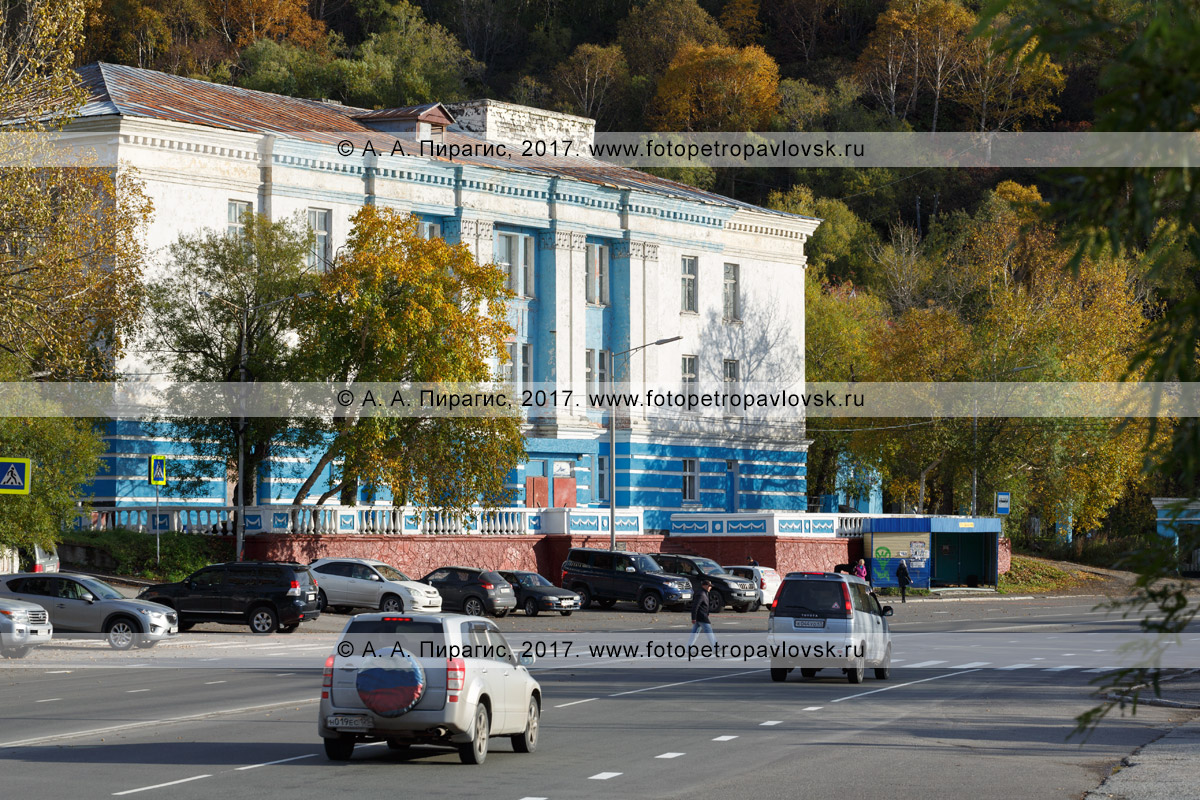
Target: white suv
<point>366,583</point>
<point>23,626</point>
<point>823,620</point>
<point>765,579</point>
<point>445,679</point>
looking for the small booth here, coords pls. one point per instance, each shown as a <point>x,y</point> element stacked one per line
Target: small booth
<point>939,551</point>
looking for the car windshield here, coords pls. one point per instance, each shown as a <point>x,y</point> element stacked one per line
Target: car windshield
<point>101,589</point>
<point>708,566</point>
<point>391,573</point>
<point>532,579</point>
<point>644,563</point>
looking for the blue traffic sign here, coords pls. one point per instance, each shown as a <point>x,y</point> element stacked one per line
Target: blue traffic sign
<point>1003,502</point>
<point>14,475</point>
<point>158,470</point>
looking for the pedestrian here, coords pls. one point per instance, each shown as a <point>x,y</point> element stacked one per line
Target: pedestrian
<point>860,569</point>
<point>700,615</point>
<point>902,578</point>
<point>751,561</point>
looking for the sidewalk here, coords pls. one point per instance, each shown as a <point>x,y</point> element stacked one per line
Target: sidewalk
<point>1164,769</point>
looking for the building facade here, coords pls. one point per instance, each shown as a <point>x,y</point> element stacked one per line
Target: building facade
<point>602,259</point>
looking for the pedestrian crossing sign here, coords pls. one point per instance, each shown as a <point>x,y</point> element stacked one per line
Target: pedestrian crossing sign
<point>158,470</point>
<point>14,476</point>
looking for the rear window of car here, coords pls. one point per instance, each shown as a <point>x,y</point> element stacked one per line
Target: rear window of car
<point>389,627</point>
<point>492,577</point>
<point>810,598</point>
<point>303,576</point>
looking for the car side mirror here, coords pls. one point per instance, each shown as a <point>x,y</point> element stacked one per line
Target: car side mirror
<point>526,660</point>
<point>89,598</point>
<point>376,578</point>
<point>631,569</point>
<point>888,611</point>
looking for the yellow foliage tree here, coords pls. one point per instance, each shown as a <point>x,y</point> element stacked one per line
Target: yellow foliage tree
<point>717,89</point>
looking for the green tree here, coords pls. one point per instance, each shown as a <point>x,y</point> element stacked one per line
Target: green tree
<point>397,307</point>
<point>840,250</point>
<point>653,33</point>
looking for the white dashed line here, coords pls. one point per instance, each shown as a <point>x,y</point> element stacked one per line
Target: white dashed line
<point>814,708</point>
<point>972,665</point>
<point>49,700</point>
<point>534,798</point>
<point>282,674</point>
<point>135,691</point>
<point>58,672</point>
<point>1062,668</point>
<point>604,776</point>
<point>770,722</point>
<point>724,738</point>
<point>682,683</point>
<point>901,685</point>
<point>280,761</point>
<point>1100,669</point>
<point>577,702</point>
<point>924,664</point>
<point>1017,666</point>
<point>671,755</point>
<point>161,785</point>
<point>212,683</point>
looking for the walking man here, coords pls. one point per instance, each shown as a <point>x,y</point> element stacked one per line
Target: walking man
<point>700,615</point>
<point>751,561</point>
<point>903,579</point>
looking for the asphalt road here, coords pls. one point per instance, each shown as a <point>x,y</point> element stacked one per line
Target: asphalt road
<point>980,704</point>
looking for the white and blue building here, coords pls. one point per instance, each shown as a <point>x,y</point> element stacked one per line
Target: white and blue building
<point>603,259</point>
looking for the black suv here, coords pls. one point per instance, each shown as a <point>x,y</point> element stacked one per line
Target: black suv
<point>726,589</point>
<point>268,596</point>
<point>607,576</point>
<point>476,591</point>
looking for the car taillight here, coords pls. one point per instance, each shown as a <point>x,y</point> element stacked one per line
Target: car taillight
<point>762,583</point>
<point>294,591</point>
<point>37,568</point>
<point>327,678</point>
<point>456,677</point>
<point>846,597</point>
<point>487,585</point>
<point>563,580</point>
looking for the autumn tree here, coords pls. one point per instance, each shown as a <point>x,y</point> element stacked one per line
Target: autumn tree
<point>593,80</point>
<point>890,65</point>
<point>241,22</point>
<point>943,27</point>
<point>652,34</point>
<point>397,307</point>
<point>717,88</point>
<point>1002,89</point>
<point>740,22</point>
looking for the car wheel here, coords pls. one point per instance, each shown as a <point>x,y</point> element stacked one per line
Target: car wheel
<point>809,672</point>
<point>855,674</point>
<point>884,670</point>
<point>475,751</point>
<point>15,652</point>
<point>289,628</point>
<point>716,601</point>
<point>531,608</point>
<point>565,613</point>
<point>606,603</point>
<point>755,606</point>
<point>585,596</point>
<point>263,620</point>
<point>391,604</point>
<point>526,742</point>
<point>473,607</point>
<point>339,749</point>
<point>322,601</point>
<point>650,602</point>
<point>744,608</point>
<point>122,633</point>
<point>779,674</point>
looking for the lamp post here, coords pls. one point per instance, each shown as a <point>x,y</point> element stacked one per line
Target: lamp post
<point>612,441</point>
<point>975,444</point>
<point>240,527</point>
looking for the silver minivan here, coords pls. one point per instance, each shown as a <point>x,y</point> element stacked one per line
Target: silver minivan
<point>825,620</point>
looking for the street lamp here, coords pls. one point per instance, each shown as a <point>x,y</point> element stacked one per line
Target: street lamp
<point>975,445</point>
<point>240,526</point>
<point>612,441</point>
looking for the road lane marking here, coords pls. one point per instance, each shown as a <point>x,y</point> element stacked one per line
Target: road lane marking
<point>535,798</point>
<point>814,708</point>
<point>724,738</point>
<point>1017,666</point>
<point>58,672</point>
<point>972,665</point>
<point>682,683</point>
<point>604,776</point>
<point>161,785</point>
<point>671,755</point>
<point>135,691</point>
<point>770,722</point>
<point>49,700</point>
<point>924,664</point>
<point>577,702</point>
<point>1062,668</point>
<point>280,761</point>
<point>212,683</point>
<point>1100,669</point>
<point>902,685</point>
<point>282,674</point>
<point>152,722</point>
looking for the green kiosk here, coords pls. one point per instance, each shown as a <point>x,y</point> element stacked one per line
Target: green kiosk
<point>939,551</point>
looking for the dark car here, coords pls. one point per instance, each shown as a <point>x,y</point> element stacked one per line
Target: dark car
<point>607,576</point>
<point>535,593</point>
<point>473,590</point>
<point>266,595</point>
<point>726,589</point>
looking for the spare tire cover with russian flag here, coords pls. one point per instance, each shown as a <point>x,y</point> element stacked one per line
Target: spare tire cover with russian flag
<point>393,690</point>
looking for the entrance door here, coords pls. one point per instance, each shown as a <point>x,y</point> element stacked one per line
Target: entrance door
<point>732,476</point>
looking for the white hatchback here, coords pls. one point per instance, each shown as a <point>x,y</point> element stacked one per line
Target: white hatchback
<point>765,579</point>
<point>367,583</point>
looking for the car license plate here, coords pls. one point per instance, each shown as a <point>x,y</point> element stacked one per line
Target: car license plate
<point>312,596</point>
<point>174,629</point>
<point>348,723</point>
<point>808,623</point>
<point>505,590</point>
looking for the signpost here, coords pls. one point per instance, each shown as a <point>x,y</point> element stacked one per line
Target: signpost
<point>14,475</point>
<point>1003,503</point>
<point>158,477</point>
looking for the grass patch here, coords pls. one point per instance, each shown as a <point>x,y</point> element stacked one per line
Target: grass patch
<point>133,552</point>
<point>1033,575</point>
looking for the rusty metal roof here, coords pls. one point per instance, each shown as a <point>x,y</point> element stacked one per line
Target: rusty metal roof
<point>429,112</point>
<point>132,92</point>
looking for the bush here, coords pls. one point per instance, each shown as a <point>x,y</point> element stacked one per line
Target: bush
<point>181,553</point>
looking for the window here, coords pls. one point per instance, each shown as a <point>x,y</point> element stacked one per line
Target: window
<point>527,262</point>
<point>510,368</point>
<point>688,374</point>
<point>596,274</point>
<point>731,371</point>
<point>238,209</point>
<point>429,230</point>
<point>688,297</point>
<point>596,371</point>
<point>601,477</point>
<point>507,256</point>
<point>690,479</point>
<point>732,306</point>
<point>526,364</point>
<point>318,223</point>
